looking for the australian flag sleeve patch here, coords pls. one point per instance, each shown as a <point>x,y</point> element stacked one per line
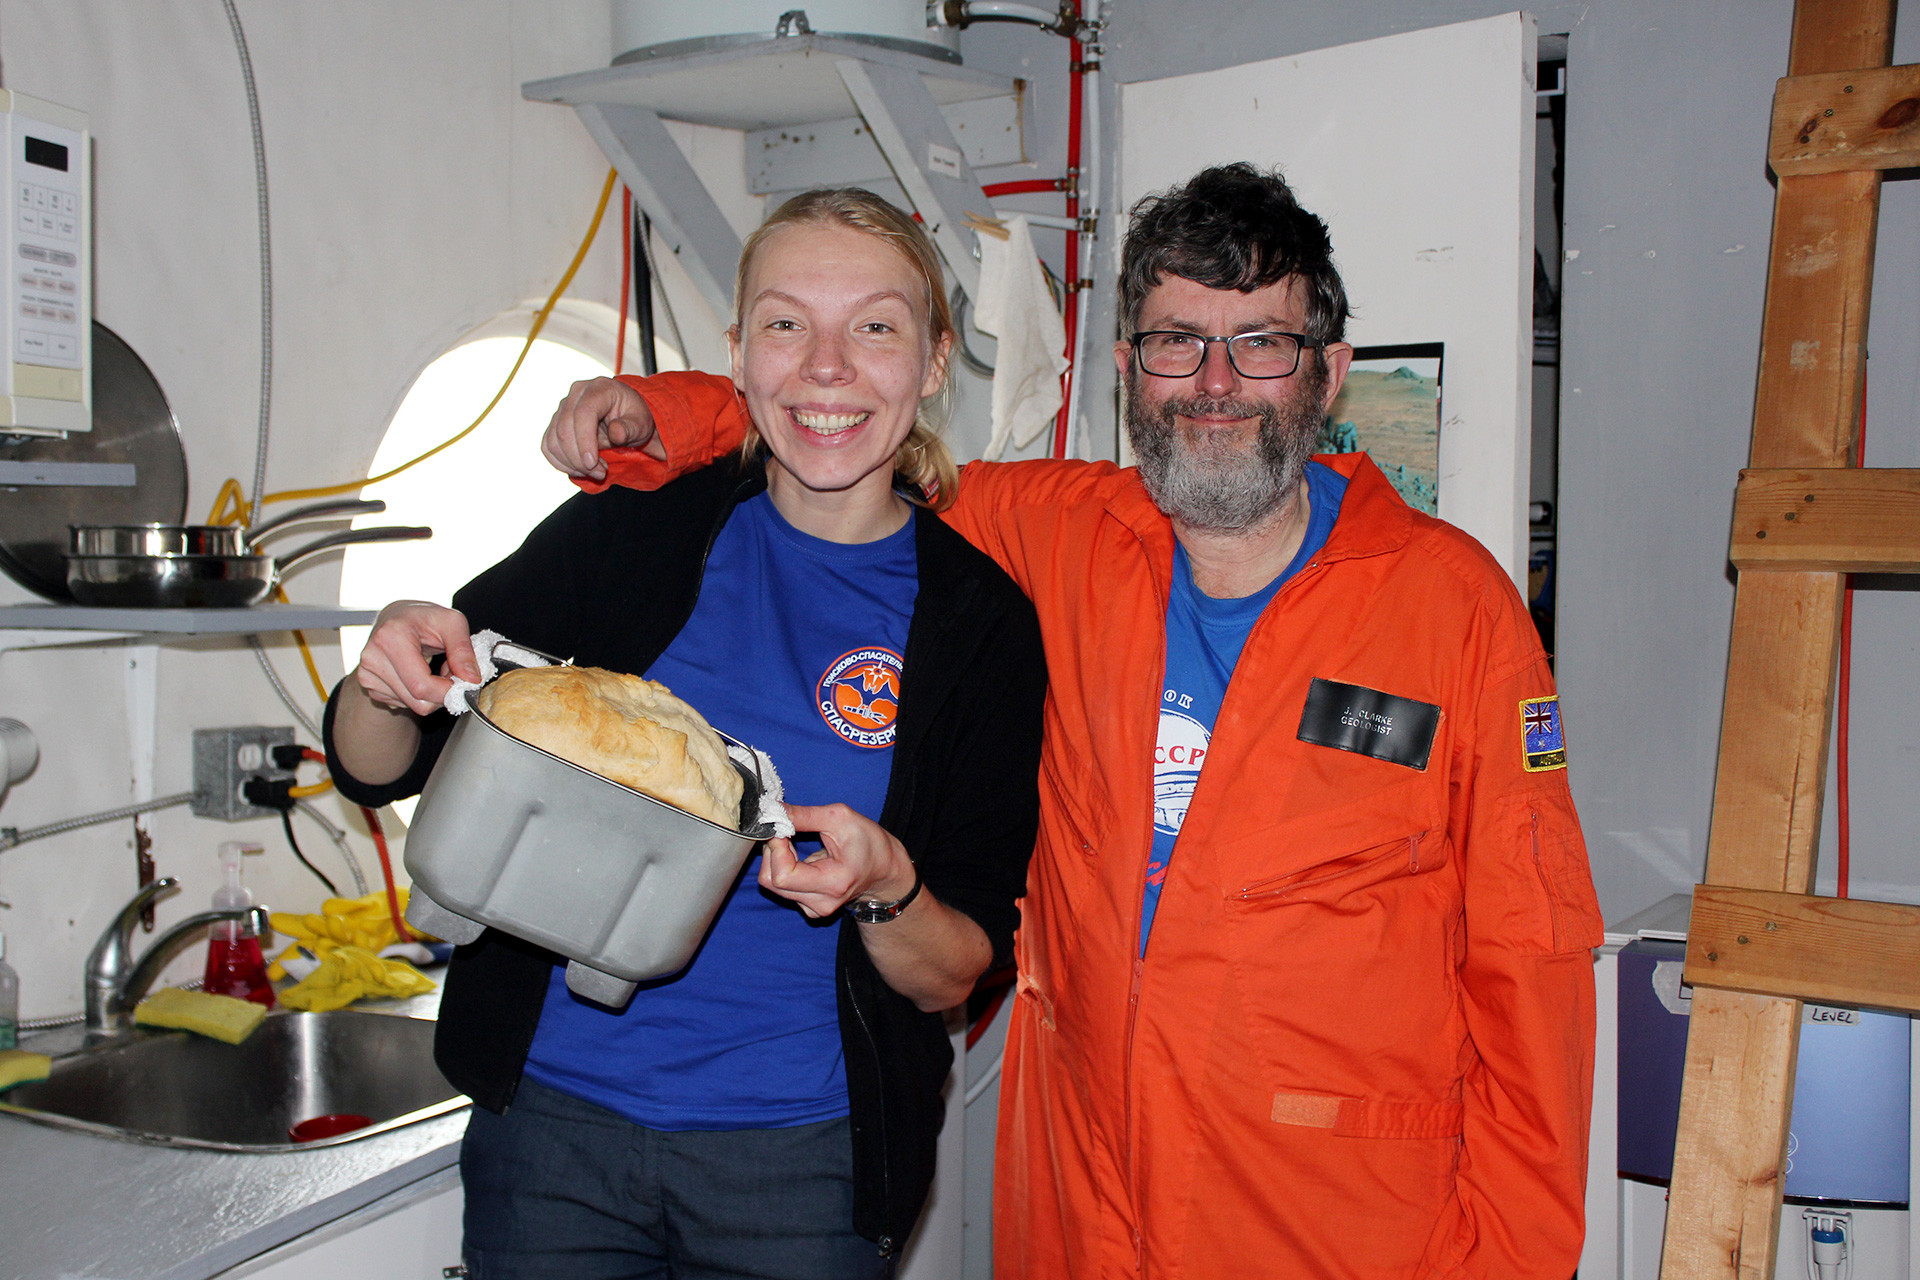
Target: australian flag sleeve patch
<point>1543,742</point>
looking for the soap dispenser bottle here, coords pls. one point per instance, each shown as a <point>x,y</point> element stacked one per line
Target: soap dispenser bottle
<point>9,1000</point>
<point>235,964</point>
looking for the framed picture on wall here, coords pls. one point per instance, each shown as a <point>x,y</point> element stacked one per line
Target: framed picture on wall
<point>1390,408</point>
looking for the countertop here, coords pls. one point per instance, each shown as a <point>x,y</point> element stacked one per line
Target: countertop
<point>78,1207</point>
<point>74,1206</point>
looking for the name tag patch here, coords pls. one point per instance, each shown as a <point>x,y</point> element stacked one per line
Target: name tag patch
<point>1351,717</point>
<point>1543,742</point>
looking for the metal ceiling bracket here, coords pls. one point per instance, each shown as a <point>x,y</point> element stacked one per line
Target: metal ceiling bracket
<point>684,215</point>
<point>758,83</point>
<point>926,159</point>
<point>841,153</point>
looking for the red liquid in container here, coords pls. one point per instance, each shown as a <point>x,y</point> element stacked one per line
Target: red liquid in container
<point>237,967</point>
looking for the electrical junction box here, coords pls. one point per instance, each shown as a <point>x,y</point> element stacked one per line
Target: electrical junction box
<point>224,760</point>
<point>46,381</point>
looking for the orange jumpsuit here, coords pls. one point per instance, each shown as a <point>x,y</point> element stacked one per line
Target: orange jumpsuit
<point>1360,1042</point>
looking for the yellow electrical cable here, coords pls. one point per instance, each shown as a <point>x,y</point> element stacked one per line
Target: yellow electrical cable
<point>318,788</point>
<point>306,653</point>
<point>306,656</point>
<point>230,505</point>
<point>539,322</point>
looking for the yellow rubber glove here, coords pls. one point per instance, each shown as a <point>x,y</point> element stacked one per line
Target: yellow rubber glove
<point>349,922</point>
<point>347,973</point>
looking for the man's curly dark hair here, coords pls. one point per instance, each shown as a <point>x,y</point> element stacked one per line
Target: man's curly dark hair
<point>1232,227</point>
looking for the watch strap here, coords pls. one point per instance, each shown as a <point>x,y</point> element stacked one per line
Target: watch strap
<point>873,911</point>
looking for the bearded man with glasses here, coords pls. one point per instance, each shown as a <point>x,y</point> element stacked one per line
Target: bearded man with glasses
<point>1305,976</point>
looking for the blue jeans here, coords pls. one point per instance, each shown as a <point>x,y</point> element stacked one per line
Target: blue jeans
<point>560,1189</point>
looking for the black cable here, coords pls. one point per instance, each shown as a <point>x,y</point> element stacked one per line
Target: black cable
<point>666,303</point>
<point>286,822</point>
<point>958,305</point>
<point>643,294</point>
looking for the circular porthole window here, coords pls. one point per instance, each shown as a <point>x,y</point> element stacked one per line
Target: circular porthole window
<point>482,496</point>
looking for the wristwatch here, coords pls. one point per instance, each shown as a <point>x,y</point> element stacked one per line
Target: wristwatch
<point>874,911</point>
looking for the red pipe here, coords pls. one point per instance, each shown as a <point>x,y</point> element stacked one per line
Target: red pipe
<point>379,843</point>
<point>1070,313</point>
<point>1843,871</point>
<point>1844,824</point>
<point>1024,187</point>
<point>386,873</point>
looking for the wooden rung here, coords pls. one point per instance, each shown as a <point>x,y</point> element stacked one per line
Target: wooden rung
<point>1834,950</point>
<point>1867,119</point>
<point>1828,520</point>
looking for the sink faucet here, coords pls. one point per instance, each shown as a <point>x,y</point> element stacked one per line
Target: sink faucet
<point>116,982</point>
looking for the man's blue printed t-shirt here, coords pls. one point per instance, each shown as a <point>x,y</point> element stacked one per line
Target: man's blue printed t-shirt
<point>1204,639</point>
<point>795,647</point>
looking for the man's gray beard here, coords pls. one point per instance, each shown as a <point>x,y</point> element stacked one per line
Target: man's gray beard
<point>1217,484</point>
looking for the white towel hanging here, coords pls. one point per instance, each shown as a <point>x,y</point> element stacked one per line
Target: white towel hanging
<point>1015,307</point>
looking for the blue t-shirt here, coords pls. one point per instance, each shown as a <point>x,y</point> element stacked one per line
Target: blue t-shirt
<point>795,647</point>
<point>1204,639</point>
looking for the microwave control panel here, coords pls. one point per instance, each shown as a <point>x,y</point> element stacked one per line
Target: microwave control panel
<point>49,246</point>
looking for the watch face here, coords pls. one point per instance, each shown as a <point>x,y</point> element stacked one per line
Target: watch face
<point>873,911</point>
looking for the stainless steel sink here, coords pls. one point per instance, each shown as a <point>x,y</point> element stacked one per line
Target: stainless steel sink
<point>183,1090</point>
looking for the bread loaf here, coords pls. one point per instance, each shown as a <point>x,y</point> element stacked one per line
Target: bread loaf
<point>622,727</point>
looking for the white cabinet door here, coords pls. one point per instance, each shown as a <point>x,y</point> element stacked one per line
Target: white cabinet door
<point>412,1234</point>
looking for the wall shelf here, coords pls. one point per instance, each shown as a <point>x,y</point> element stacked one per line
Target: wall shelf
<point>33,626</point>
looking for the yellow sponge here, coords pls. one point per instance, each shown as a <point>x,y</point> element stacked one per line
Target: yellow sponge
<point>222,1017</point>
<point>18,1066</point>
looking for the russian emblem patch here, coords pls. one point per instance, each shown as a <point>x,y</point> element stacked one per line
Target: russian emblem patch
<point>859,696</point>
<point>1543,742</point>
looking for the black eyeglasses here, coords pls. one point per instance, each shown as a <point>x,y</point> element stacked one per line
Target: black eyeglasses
<point>1170,353</point>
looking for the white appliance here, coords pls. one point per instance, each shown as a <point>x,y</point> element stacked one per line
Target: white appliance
<point>641,26</point>
<point>46,383</point>
<point>1853,1137</point>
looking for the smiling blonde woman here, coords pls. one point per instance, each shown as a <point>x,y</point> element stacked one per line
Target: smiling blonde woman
<point>772,1109</point>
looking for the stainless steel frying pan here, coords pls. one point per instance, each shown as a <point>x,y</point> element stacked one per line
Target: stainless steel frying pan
<point>201,539</point>
<point>198,580</point>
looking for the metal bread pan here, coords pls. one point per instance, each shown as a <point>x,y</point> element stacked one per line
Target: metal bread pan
<point>515,837</point>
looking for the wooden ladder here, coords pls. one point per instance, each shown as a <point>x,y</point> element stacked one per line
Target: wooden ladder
<point>1804,517</point>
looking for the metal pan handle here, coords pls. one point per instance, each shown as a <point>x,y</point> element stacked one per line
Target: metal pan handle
<point>386,533</point>
<point>338,507</point>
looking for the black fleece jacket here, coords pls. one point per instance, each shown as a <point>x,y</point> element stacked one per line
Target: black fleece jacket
<point>609,580</point>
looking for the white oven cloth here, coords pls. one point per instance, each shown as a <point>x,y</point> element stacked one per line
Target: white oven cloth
<point>491,649</point>
<point>1015,307</point>
<point>773,810</point>
<point>486,646</point>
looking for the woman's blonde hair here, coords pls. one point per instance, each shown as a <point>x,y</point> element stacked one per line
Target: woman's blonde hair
<point>923,458</point>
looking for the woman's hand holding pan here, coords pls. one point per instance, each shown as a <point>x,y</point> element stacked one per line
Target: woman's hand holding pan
<point>858,859</point>
<point>394,669</point>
